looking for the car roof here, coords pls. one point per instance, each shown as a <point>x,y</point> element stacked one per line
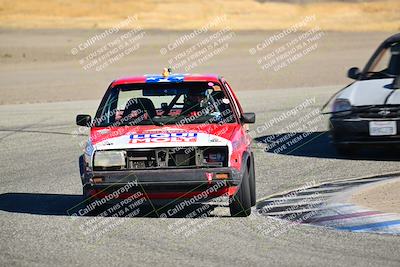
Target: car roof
<point>155,78</point>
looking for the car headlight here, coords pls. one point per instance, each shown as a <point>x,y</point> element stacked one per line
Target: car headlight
<point>340,105</point>
<point>110,158</point>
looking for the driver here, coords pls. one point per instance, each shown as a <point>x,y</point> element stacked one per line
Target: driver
<point>193,103</point>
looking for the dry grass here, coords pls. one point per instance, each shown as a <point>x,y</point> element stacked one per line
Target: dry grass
<point>381,15</point>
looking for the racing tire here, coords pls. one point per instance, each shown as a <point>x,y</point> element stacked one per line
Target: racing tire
<point>81,165</point>
<point>240,203</point>
<point>85,193</point>
<point>87,201</point>
<point>252,182</point>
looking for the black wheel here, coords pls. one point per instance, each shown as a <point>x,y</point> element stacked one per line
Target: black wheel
<point>240,203</point>
<point>85,193</point>
<point>88,202</point>
<point>345,149</point>
<point>252,182</point>
<point>81,165</point>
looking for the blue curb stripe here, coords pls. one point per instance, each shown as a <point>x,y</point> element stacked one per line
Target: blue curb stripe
<point>370,225</point>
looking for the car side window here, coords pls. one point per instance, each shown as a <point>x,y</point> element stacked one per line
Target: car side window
<point>236,108</point>
<point>382,62</point>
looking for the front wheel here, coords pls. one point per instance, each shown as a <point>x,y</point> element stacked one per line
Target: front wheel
<point>252,182</point>
<point>88,204</point>
<point>240,203</point>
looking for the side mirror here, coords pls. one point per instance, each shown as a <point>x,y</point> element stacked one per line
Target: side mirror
<point>354,73</point>
<point>83,120</point>
<point>249,117</point>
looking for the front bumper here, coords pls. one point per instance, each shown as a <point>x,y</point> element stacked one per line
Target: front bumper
<point>163,183</point>
<point>356,131</point>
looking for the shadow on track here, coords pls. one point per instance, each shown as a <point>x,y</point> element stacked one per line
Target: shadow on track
<point>65,205</point>
<point>318,145</point>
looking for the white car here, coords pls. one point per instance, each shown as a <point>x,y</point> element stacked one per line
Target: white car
<point>368,110</point>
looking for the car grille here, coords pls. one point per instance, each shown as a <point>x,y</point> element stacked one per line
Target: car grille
<point>175,157</point>
<point>380,112</point>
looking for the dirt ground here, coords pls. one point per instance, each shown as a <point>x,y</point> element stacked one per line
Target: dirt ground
<point>339,15</point>
<point>38,39</point>
<point>38,66</point>
<point>382,197</point>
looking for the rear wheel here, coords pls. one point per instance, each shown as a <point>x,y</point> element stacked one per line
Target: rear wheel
<point>240,203</point>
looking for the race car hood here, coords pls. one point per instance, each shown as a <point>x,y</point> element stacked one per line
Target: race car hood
<point>371,92</point>
<point>167,136</point>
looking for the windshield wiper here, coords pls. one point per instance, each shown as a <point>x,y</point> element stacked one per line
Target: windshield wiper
<point>158,123</point>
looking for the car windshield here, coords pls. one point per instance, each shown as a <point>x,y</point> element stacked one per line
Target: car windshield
<point>386,64</point>
<point>165,103</point>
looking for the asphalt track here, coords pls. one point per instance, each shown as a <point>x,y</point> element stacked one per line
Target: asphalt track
<point>40,182</point>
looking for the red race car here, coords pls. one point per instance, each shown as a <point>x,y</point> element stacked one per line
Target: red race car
<point>169,137</point>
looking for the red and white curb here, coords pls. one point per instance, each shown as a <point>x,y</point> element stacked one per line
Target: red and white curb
<point>327,205</point>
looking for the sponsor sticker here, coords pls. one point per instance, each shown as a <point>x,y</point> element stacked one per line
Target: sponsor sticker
<point>162,138</point>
